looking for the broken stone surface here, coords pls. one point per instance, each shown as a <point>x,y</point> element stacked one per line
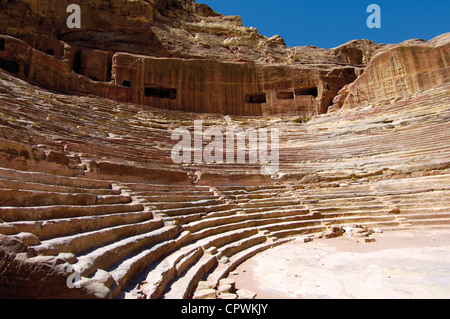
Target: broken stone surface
<point>245,294</point>
<point>12,245</point>
<point>205,294</point>
<point>224,289</point>
<point>204,285</point>
<point>333,232</point>
<point>228,281</point>
<point>227,296</point>
<point>224,260</point>
<point>357,231</point>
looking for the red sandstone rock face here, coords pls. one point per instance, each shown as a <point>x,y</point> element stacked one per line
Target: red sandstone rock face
<point>227,88</point>
<point>41,277</point>
<point>193,85</point>
<point>398,71</point>
<point>268,78</point>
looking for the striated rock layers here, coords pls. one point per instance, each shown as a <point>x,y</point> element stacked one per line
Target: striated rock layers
<point>399,71</point>
<point>174,55</point>
<point>92,203</point>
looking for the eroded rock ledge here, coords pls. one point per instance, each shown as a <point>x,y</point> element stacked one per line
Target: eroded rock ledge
<point>399,71</point>
<point>176,55</point>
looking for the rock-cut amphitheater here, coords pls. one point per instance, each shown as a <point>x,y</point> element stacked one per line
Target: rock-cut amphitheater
<point>88,187</point>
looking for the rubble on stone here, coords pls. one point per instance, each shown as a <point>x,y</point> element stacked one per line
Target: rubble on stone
<point>226,289</point>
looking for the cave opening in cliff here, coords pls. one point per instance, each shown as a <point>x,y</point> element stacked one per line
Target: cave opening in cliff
<point>256,98</point>
<point>160,92</point>
<point>9,66</point>
<point>126,83</point>
<point>109,69</point>
<point>2,44</point>
<point>76,67</point>
<point>313,91</point>
<point>26,70</point>
<point>50,52</point>
<point>285,95</point>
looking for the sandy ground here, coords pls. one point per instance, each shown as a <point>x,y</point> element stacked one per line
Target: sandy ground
<point>406,265</point>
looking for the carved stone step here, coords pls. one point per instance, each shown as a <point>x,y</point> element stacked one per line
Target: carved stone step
<point>13,184</point>
<point>106,256</point>
<point>69,226</point>
<point>223,270</point>
<point>83,242</point>
<point>183,287</point>
<point>51,179</point>
<point>26,198</point>
<point>62,211</point>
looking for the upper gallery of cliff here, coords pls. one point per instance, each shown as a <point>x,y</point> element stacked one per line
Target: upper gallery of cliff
<point>163,28</point>
<point>182,55</point>
<point>399,71</point>
<point>175,54</point>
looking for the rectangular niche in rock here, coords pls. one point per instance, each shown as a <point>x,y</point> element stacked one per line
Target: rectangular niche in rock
<point>9,66</point>
<point>161,92</point>
<point>285,95</point>
<point>307,91</point>
<point>256,98</point>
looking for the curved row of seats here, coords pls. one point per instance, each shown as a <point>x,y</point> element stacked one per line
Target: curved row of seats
<point>122,234</point>
<point>383,167</point>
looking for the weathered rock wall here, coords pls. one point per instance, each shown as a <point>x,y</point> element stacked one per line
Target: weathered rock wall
<point>399,71</point>
<point>206,63</point>
<point>228,88</point>
<point>209,63</point>
<point>195,85</point>
<point>42,277</point>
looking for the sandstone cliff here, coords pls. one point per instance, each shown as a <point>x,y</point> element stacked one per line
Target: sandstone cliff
<point>263,75</point>
<point>399,71</point>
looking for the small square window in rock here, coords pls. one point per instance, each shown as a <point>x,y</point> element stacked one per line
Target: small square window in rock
<point>9,66</point>
<point>256,98</point>
<point>161,92</point>
<point>285,95</point>
<point>307,91</point>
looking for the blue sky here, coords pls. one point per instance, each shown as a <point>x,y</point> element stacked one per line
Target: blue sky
<point>330,23</point>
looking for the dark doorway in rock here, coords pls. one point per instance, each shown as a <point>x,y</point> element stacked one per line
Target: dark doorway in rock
<point>26,70</point>
<point>9,66</point>
<point>50,52</point>
<point>2,44</point>
<point>256,98</point>
<point>313,91</point>
<point>161,92</point>
<point>126,84</point>
<point>76,67</point>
